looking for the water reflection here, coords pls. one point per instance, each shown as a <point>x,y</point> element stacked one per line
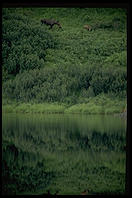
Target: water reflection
<point>63,154</point>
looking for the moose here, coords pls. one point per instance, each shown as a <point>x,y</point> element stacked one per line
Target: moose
<point>50,22</point>
<point>87,27</point>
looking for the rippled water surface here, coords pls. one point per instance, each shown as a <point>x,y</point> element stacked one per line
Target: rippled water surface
<point>63,154</point>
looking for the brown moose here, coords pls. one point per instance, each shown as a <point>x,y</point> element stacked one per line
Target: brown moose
<point>87,27</point>
<point>51,23</point>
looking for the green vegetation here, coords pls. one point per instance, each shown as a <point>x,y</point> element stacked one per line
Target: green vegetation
<point>70,66</point>
<point>33,108</point>
<point>97,105</point>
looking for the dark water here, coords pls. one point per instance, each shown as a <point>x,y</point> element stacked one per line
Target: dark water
<point>63,154</point>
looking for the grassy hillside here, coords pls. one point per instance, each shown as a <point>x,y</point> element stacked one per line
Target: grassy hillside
<point>70,66</point>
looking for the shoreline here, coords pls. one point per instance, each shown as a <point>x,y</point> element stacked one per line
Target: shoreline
<point>54,108</point>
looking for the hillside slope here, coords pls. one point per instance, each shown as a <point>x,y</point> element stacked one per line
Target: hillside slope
<point>70,65</point>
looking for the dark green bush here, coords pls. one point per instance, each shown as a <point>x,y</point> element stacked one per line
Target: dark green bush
<point>119,84</point>
<point>108,46</point>
<point>24,43</point>
<point>47,65</point>
<point>105,80</point>
<point>87,93</point>
<point>117,60</point>
<point>64,84</point>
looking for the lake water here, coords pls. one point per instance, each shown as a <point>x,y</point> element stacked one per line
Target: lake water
<point>63,154</point>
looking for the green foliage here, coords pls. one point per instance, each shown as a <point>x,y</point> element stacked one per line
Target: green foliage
<point>117,60</point>
<point>42,85</point>
<point>33,108</point>
<point>70,66</point>
<point>24,43</point>
<point>105,80</point>
<point>65,84</point>
<point>101,104</point>
<point>87,93</point>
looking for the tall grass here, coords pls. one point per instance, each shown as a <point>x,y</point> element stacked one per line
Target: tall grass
<point>33,108</point>
<point>101,104</point>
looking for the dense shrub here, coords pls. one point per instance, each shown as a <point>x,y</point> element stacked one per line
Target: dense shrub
<point>105,80</point>
<point>68,66</point>
<point>64,84</point>
<point>105,46</point>
<point>24,43</point>
<point>117,60</point>
<point>119,84</point>
<point>47,84</point>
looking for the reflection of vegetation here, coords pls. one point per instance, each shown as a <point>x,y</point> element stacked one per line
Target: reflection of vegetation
<point>72,139</point>
<point>61,156</point>
<point>64,174</point>
<point>21,178</point>
<point>110,142</point>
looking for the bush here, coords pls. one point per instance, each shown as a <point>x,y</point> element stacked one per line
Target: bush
<point>24,44</point>
<point>65,84</point>
<point>117,60</point>
<point>68,66</point>
<point>47,84</point>
<point>87,93</point>
<point>105,80</point>
<point>105,46</point>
